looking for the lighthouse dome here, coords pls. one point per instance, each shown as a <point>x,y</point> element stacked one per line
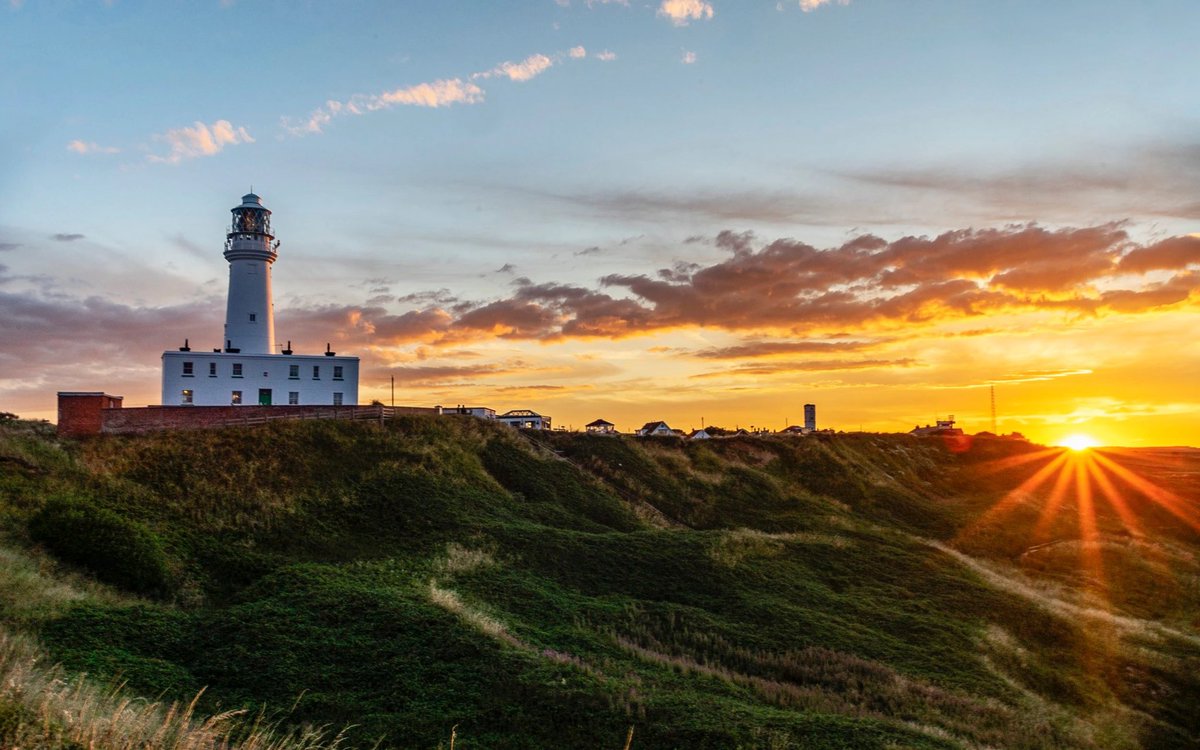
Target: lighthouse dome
<point>250,199</point>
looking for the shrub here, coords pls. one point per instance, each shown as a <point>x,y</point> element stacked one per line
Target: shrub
<point>119,551</point>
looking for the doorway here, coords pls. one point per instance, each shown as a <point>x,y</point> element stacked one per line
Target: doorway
<point>264,396</point>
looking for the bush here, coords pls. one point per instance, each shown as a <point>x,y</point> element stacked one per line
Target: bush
<point>118,551</point>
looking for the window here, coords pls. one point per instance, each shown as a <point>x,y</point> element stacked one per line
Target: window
<point>337,372</point>
<point>293,398</point>
<point>251,317</point>
<point>187,396</point>
<point>235,397</point>
<point>212,369</point>
<point>237,369</point>
<point>337,399</point>
<point>294,372</point>
<point>187,369</point>
<point>316,372</point>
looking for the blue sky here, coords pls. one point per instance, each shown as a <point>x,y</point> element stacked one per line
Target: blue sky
<point>620,139</point>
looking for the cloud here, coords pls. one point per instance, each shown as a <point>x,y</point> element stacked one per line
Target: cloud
<point>91,147</point>
<point>199,140</point>
<point>436,94</point>
<point>831,365</point>
<point>682,12</point>
<point>66,237</point>
<point>1175,253</point>
<point>1146,179</point>
<point>606,56</point>
<point>530,67</point>
<point>862,288</point>
<point>773,348</point>
<point>689,58</point>
<point>6,246</point>
<point>808,6</point>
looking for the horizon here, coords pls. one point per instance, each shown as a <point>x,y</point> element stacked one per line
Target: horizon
<point>688,211</point>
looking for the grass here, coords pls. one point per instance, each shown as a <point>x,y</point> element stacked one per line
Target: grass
<point>551,590</point>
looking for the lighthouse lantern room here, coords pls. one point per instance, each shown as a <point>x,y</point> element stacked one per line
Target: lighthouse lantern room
<point>247,368</point>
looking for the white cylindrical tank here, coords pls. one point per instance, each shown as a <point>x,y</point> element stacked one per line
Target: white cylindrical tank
<point>250,248</point>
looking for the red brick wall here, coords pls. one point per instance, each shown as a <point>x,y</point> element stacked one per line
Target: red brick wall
<point>152,418</point>
<point>81,413</point>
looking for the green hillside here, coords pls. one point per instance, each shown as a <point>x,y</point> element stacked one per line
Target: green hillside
<point>400,582</point>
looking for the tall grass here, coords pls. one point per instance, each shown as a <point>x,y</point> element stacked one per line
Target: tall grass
<point>42,708</point>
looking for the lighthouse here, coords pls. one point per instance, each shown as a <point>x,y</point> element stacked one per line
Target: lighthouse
<point>251,249</point>
<point>247,369</point>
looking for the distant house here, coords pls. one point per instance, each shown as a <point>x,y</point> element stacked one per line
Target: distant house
<point>470,411</point>
<point>795,430</point>
<point>525,419</point>
<point>699,435</point>
<point>942,427</point>
<point>656,429</point>
<point>600,427</point>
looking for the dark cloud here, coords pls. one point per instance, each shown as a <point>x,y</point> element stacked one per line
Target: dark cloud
<point>428,376</point>
<point>1170,254</point>
<point>1147,180</point>
<point>793,287</point>
<point>594,249</point>
<point>6,246</point>
<point>760,206</point>
<point>506,268</point>
<point>776,368</point>
<point>189,247</point>
<point>66,237</point>
<point>771,348</point>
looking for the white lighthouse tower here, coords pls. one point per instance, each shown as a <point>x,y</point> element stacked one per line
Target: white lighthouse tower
<point>250,249</point>
<point>246,369</point>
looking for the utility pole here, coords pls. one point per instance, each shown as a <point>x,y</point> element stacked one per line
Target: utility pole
<point>393,390</point>
<point>994,431</point>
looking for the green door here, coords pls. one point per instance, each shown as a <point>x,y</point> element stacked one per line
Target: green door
<point>264,396</point>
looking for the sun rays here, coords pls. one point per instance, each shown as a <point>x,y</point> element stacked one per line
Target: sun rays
<point>1077,494</point>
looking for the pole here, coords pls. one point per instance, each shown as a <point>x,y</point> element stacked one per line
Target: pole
<point>393,390</point>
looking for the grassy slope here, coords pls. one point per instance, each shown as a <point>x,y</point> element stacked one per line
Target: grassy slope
<point>741,592</point>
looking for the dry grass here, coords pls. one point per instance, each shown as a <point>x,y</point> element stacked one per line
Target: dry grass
<point>484,623</point>
<point>33,586</point>
<point>460,559</point>
<point>41,708</point>
<point>732,547</point>
<point>1013,582</point>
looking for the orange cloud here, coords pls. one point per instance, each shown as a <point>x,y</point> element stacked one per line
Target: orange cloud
<point>199,140</point>
<point>91,147</point>
<point>681,12</point>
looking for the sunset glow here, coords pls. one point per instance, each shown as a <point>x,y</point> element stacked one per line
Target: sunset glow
<point>519,220</point>
<point>1078,442</point>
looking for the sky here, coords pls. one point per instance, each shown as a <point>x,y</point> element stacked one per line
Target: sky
<point>704,212</point>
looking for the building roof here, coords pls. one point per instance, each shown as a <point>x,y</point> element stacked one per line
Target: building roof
<point>650,426</point>
<point>600,423</point>
<point>520,413</point>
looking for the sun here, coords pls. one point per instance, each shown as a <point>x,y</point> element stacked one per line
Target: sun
<point>1078,442</point>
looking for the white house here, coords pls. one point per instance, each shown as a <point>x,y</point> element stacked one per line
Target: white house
<point>655,428</point>
<point>600,427</point>
<point>700,434</point>
<point>481,412</point>
<point>525,419</point>
<point>247,369</point>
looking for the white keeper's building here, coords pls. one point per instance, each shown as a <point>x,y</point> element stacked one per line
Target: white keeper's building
<point>249,368</point>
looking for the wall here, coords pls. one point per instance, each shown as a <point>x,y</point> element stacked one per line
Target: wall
<point>271,371</point>
<point>154,418</point>
<point>81,413</point>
